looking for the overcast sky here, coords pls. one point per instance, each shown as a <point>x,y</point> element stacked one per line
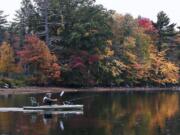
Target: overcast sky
<point>9,7</point>
<point>145,8</point>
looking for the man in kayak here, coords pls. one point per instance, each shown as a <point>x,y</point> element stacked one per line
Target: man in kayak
<point>47,100</point>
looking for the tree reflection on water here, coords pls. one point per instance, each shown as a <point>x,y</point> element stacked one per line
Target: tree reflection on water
<point>106,114</point>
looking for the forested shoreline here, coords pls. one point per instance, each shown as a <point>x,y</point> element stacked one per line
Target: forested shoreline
<point>40,90</point>
<point>78,43</point>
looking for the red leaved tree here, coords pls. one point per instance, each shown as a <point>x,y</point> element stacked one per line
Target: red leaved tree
<point>81,67</point>
<point>41,63</point>
<point>146,24</point>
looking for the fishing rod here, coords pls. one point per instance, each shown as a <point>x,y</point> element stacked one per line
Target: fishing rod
<point>76,99</point>
<point>85,97</point>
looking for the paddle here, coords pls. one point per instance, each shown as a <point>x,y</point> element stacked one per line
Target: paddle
<point>62,93</point>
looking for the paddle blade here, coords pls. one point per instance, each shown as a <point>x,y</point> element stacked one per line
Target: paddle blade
<point>62,93</point>
<point>61,125</point>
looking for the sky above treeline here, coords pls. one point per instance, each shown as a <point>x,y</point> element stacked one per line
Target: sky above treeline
<point>144,8</point>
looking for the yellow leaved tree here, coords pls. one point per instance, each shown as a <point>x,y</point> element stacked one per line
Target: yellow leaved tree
<point>162,70</point>
<point>7,60</point>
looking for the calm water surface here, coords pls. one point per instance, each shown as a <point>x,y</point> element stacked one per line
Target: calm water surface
<point>104,114</point>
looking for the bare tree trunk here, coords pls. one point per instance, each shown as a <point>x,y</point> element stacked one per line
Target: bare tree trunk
<point>46,21</point>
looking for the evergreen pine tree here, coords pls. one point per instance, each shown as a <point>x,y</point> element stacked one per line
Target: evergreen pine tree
<point>166,30</point>
<point>3,22</point>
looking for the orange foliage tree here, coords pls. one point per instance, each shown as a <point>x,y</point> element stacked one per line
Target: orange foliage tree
<point>40,61</point>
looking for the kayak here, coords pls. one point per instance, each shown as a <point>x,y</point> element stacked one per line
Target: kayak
<point>19,109</point>
<point>54,107</point>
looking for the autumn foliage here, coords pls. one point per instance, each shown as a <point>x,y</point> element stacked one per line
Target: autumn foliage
<point>162,71</point>
<point>40,61</point>
<point>88,45</point>
<point>80,63</point>
<point>146,24</point>
<point>7,60</point>
<point>144,63</point>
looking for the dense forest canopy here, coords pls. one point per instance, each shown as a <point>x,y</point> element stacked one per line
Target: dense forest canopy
<point>80,43</point>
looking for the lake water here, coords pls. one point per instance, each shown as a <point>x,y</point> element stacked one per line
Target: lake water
<point>137,113</point>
